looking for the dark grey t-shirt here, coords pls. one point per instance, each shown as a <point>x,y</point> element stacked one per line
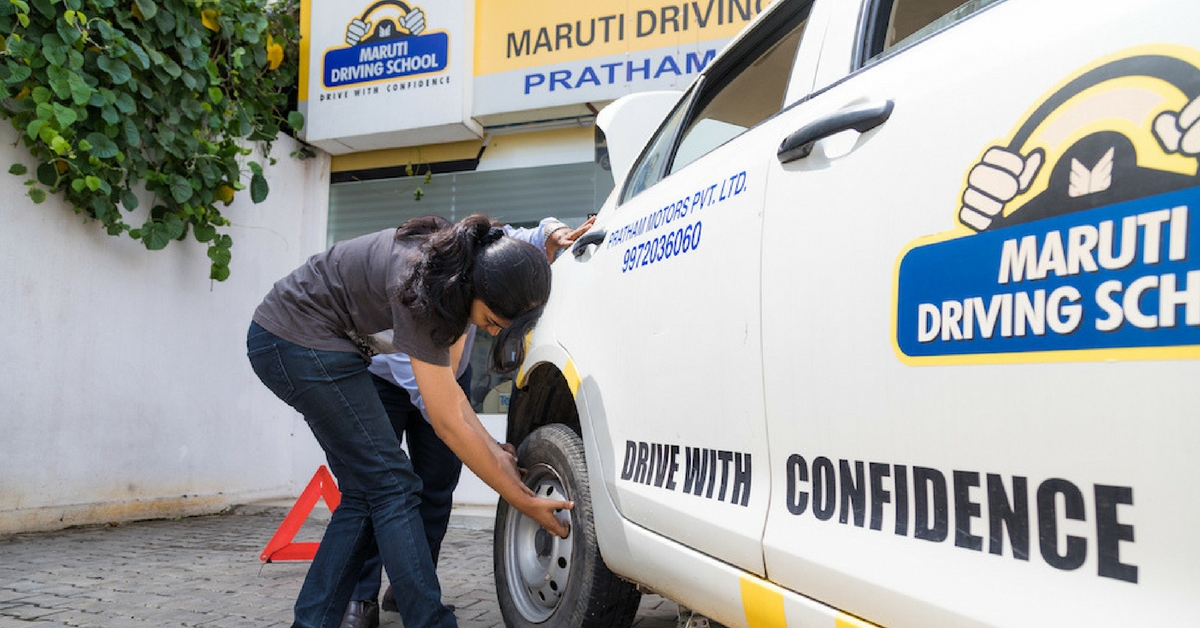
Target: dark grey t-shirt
<point>351,292</point>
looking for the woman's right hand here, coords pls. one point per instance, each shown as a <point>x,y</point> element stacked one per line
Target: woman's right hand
<point>545,513</point>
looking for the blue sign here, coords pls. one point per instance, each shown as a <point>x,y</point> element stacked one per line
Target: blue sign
<point>386,60</point>
<point>1121,276</point>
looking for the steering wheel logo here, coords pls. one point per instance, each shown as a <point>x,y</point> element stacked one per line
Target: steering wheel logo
<point>383,21</point>
<point>1125,128</point>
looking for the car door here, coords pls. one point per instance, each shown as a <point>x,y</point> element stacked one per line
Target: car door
<point>979,363</point>
<point>676,285</point>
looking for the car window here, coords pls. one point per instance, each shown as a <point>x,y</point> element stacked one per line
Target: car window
<point>740,90</point>
<point>649,167</point>
<point>896,24</point>
<point>750,96</point>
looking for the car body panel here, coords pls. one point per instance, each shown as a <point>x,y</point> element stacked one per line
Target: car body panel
<point>798,335</point>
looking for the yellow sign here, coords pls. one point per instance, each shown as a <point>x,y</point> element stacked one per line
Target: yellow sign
<point>545,32</point>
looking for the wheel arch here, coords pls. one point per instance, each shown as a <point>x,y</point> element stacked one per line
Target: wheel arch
<point>545,392</point>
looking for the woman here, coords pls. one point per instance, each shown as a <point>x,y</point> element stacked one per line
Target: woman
<point>423,283</point>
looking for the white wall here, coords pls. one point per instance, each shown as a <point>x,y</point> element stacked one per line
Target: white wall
<point>125,392</point>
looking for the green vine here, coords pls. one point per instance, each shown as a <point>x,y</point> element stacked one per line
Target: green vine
<point>115,96</point>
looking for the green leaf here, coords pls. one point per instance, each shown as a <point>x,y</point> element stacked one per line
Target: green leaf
<point>218,253</point>
<point>46,8</point>
<point>258,188</point>
<point>189,80</point>
<point>117,69</point>
<point>67,32</point>
<point>148,8</point>
<point>92,182</point>
<point>78,185</point>
<point>60,145</point>
<point>171,68</point>
<point>17,73</point>
<point>256,168</point>
<point>34,130</point>
<point>75,60</point>
<point>129,199</point>
<point>102,147</point>
<point>219,272</point>
<point>132,136</point>
<point>295,120</point>
<point>47,134</point>
<point>54,49</point>
<point>60,81</point>
<point>17,169</point>
<point>66,116</point>
<point>41,95</point>
<point>154,236</point>
<point>125,103</point>
<point>142,57</point>
<point>181,189</point>
<point>37,195</point>
<point>215,94</point>
<point>191,41</point>
<point>204,232</point>
<point>192,109</point>
<point>165,21</point>
<point>81,92</point>
<point>105,29</point>
<point>47,175</point>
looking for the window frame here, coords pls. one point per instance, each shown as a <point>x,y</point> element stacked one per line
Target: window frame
<point>773,26</point>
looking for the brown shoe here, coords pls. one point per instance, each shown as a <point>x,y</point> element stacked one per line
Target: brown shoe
<point>361,614</point>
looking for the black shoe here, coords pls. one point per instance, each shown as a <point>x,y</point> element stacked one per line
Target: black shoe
<point>389,600</point>
<point>361,614</point>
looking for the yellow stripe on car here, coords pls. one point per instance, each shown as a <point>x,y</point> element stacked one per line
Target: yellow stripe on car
<point>763,604</point>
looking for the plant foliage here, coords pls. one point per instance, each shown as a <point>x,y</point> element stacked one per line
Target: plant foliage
<point>112,96</point>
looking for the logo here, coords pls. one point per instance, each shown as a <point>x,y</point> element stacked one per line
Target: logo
<point>1077,235</point>
<point>385,43</point>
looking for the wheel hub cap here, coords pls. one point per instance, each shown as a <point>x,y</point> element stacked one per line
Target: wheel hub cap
<point>537,564</point>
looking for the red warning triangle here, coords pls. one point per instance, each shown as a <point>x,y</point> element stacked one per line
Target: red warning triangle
<point>281,547</point>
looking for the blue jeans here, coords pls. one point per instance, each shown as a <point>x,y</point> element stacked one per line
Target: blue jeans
<point>434,463</point>
<point>380,491</point>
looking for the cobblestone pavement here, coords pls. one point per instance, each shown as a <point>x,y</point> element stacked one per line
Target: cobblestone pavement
<point>204,572</point>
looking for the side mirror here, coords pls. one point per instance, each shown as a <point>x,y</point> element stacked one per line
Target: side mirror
<point>628,123</point>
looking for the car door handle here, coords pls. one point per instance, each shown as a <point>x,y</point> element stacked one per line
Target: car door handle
<point>594,236</point>
<point>861,118</point>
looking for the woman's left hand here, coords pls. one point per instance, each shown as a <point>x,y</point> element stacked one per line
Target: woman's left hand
<point>564,237</point>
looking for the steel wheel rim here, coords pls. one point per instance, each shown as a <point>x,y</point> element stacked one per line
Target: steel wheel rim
<point>537,563</point>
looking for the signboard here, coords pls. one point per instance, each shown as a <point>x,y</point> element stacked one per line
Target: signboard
<point>1078,235</point>
<point>385,74</point>
<point>552,53</point>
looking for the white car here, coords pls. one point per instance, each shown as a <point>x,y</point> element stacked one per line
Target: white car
<point>894,319</point>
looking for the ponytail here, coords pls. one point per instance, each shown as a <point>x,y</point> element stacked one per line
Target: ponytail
<point>472,260</point>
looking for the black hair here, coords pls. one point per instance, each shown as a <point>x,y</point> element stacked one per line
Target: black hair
<point>473,259</point>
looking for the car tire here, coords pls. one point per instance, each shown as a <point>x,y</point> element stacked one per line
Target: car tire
<point>543,581</point>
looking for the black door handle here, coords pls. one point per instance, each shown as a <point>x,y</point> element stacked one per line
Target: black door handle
<point>861,118</point>
<point>593,236</point>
